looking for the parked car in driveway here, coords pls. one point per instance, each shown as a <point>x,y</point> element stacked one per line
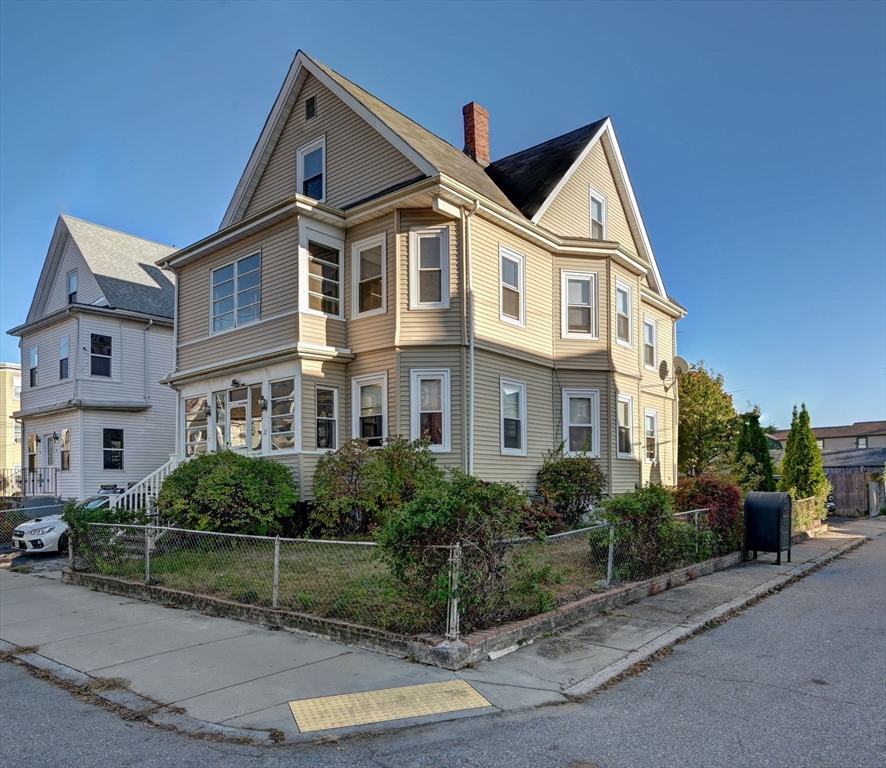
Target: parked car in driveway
<point>49,533</point>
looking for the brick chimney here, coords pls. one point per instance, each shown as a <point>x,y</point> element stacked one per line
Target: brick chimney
<point>476,133</point>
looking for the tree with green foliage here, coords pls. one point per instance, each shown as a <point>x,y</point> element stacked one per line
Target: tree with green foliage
<point>801,471</point>
<point>752,464</point>
<point>707,423</point>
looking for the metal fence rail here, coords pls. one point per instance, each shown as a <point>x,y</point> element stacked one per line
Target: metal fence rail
<point>16,514</point>
<point>347,580</point>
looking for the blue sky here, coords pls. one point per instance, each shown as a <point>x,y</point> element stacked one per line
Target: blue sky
<point>754,133</point>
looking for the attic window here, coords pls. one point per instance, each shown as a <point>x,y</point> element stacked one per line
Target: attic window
<point>310,170</point>
<point>598,215</point>
<point>72,288</point>
<point>311,108</point>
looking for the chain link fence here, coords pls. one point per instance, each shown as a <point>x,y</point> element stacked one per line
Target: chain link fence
<point>14,514</point>
<point>347,580</point>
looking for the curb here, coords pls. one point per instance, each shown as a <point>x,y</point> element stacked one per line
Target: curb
<point>588,686</point>
<point>141,708</point>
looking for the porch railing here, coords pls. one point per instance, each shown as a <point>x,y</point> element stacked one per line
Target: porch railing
<point>144,493</point>
<point>29,482</point>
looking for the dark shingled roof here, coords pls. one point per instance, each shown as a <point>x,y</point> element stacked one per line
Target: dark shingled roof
<point>529,177</point>
<point>854,457</point>
<point>859,429</point>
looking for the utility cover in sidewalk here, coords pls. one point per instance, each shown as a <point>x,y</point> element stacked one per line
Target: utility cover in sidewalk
<point>387,704</point>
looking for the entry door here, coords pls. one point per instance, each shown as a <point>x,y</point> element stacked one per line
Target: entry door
<point>48,451</point>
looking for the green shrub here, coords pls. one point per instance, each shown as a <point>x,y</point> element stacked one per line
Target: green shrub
<point>355,486</point>
<point>497,582</point>
<point>642,521</point>
<point>100,549</point>
<point>574,484</point>
<point>227,492</point>
<point>726,517</point>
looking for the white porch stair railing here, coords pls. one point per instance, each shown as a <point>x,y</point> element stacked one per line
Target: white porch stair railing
<point>144,493</point>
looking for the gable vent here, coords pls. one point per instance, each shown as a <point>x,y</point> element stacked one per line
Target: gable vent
<point>311,108</point>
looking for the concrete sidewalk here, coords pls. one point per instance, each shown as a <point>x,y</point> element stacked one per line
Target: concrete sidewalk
<point>203,674</point>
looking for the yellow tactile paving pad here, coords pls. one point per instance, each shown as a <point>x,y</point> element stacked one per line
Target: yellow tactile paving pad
<point>347,709</point>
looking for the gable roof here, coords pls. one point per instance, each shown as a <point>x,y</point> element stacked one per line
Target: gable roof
<point>123,266</point>
<point>528,177</point>
<point>858,429</point>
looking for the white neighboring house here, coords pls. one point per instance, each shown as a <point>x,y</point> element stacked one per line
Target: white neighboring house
<point>97,341</point>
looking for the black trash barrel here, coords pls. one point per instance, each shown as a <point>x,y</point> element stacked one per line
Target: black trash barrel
<point>767,524</point>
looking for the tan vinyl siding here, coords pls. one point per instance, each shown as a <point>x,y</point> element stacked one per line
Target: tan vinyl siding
<point>535,340</point>
<point>586,353</point>
<point>278,327</point>
<point>489,463</point>
<point>626,473</point>
<point>626,359</point>
<point>368,364</point>
<point>10,451</point>
<point>446,358</point>
<point>570,212</point>
<point>331,375</point>
<point>323,330</point>
<point>375,331</point>
<point>359,162</point>
<point>663,471</point>
<point>88,291</point>
<point>598,380</point>
<point>429,326</point>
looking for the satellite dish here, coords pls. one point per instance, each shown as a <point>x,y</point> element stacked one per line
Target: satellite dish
<point>680,365</point>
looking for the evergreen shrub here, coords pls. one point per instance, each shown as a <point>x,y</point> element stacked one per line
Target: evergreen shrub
<point>573,484</point>
<point>722,498</point>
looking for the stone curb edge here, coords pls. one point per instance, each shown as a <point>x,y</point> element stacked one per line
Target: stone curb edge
<point>589,685</point>
<point>143,708</point>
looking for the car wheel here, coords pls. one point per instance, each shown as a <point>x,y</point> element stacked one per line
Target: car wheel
<point>63,543</point>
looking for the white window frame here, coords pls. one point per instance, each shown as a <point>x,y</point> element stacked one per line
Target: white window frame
<point>328,236</point>
<point>122,450</point>
<point>33,368</point>
<point>335,417</point>
<point>647,322</point>
<point>859,440</point>
<point>596,193</point>
<point>16,431</point>
<point>820,443</point>
<point>16,387</point>
<point>509,253</point>
<point>64,354</point>
<point>521,385</point>
<point>356,250</point>
<point>630,401</point>
<point>654,414</point>
<point>210,426</point>
<point>69,292</point>
<point>622,285</point>
<point>234,263</point>
<point>96,356</point>
<point>591,277</point>
<point>300,153</point>
<point>416,376</point>
<point>356,384</point>
<point>267,446</point>
<point>594,394</point>
<point>64,452</point>
<point>415,236</point>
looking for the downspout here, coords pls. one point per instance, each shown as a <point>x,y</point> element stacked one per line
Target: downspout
<point>145,347</point>
<point>397,311</point>
<point>463,356</point>
<point>470,299</point>
<point>675,424</point>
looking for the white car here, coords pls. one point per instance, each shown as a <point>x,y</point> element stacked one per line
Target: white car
<point>48,533</point>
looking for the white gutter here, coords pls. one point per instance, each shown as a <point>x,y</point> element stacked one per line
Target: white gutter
<point>470,300</point>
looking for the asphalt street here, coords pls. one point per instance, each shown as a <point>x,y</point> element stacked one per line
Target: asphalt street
<point>796,680</point>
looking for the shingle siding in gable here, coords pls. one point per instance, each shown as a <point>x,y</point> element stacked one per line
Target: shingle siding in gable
<point>359,162</point>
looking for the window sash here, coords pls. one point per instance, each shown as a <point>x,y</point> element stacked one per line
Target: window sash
<point>324,279</point>
<point>623,313</point>
<point>513,417</point>
<point>369,403</point>
<point>429,268</point>
<point>326,407</point>
<point>236,293</point>
<point>581,418</point>
<point>63,347</point>
<point>625,418</point>
<point>282,405</point>
<point>72,288</point>
<point>649,342</point>
<point>311,169</point>
<point>196,426</point>
<point>100,350</point>
<point>651,436</point>
<point>430,404</point>
<point>65,450</point>
<point>578,295</point>
<point>369,265</point>
<point>112,448</point>
<point>512,281</point>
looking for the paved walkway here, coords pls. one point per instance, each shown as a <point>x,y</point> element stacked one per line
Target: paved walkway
<point>218,675</point>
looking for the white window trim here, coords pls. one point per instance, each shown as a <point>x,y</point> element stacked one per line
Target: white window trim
<point>505,252</point>
<point>501,418</point>
<point>121,450</point>
<point>16,387</point>
<point>305,149</point>
<point>415,235</point>
<point>361,381</point>
<point>626,287</point>
<point>594,394</point>
<point>356,248</point>
<point>858,441</point>
<point>647,320</point>
<point>416,375</point>
<point>565,277</point>
<point>68,291</point>
<point>331,237</point>
<point>630,401</point>
<point>646,413</point>
<point>96,376</point>
<point>236,325</point>
<point>594,192</point>
<point>335,416</point>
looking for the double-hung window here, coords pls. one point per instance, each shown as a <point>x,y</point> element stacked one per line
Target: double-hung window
<point>512,275</point>
<point>65,450</point>
<point>650,342</point>
<point>513,417</point>
<point>236,293</point>
<point>327,418</point>
<point>63,353</point>
<point>283,415</point>
<point>625,418</point>
<point>861,442</point>
<point>624,311</point>
<point>368,268</point>
<point>311,169</point>
<point>578,292</point>
<point>100,355</point>
<point>651,435</point>
<point>72,288</point>
<point>34,376</point>
<point>32,453</point>
<point>369,399</point>
<point>16,387</point>
<point>598,215</point>
<point>581,420</point>
<point>324,279</point>
<point>429,268</point>
<point>430,401</point>
<point>112,448</point>
<point>196,426</point>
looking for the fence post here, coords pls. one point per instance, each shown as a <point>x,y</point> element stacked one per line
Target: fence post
<point>696,534</point>
<point>276,572</point>
<point>611,560</point>
<point>70,552</point>
<point>452,607</point>
<point>147,554</point>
